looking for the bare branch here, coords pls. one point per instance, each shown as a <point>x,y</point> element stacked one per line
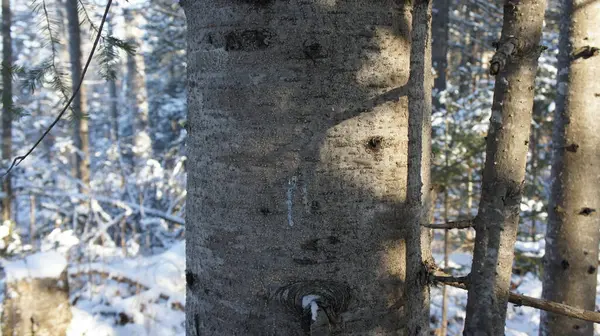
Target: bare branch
<point>523,300</point>
<point>461,224</point>
<point>506,49</point>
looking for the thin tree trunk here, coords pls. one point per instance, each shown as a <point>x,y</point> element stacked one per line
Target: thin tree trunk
<point>571,259</point>
<point>7,108</point>
<point>444,326</point>
<point>418,194</point>
<point>496,224</point>
<point>533,164</point>
<point>439,55</point>
<point>137,97</point>
<point>297,164</point>
<point>112,93</point>
<point>80,122</point>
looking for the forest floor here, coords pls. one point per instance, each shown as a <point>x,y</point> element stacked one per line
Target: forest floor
<point>145,295</point>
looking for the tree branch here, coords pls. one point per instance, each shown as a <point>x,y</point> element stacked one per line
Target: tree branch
<point>461,224</point>
<point>506,49</point>
<point>523,300</point>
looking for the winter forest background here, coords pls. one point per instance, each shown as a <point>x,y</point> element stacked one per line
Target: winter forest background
<point>122,232</point>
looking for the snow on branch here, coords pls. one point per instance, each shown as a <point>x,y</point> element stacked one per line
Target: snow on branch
<point>127,206</point>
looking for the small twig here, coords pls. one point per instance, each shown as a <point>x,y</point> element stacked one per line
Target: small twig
<point>523,300</point>
<point>461,224</point>
<point>20,158</point>
<point>506,49</point>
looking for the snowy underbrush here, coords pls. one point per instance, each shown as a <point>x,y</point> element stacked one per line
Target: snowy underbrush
<point>129,296</point>
<point>113,295</point>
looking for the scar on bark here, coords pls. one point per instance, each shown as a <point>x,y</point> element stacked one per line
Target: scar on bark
<point>585,52</point>
<point>587,211</point>
<point>315,297</point>
<point>572,148</point>
<point>374,144</point>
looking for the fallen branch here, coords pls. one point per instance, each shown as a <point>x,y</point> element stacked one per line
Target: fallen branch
<point>119,278</point>
<point>124,205</point>
<point>461,224</point>
<point>523,300</point>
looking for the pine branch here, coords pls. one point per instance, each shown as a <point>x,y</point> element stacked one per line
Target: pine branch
<point>20,159</point>
<point>86,16</point>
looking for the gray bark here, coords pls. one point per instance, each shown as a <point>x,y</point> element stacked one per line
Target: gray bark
<point>7,107</point>
<point>79,107</point>
<point>497,220</point>
<point>297,166</point>
<point>418,249</point>
<point>570,263</point>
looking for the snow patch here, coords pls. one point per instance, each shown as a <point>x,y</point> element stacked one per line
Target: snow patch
<point>40,265</point>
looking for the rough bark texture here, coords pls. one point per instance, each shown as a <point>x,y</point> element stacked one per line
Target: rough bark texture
<point>36,307</point>
<point>570,263</point>
<point>80,121</point>
<point>137,96</point>
<point>297,165</point>
<point>418,240</point>
<point>6,107</point>
<point>503,176</point>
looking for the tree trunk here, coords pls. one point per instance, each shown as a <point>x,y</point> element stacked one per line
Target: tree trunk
<point>570,263</point>
<point>112,93</point>
<point>35,305</point>
<point>80,120</point>
<point>137,97</point>
<point>418,240</point>
<point>496,224</point>
<point>7,107</point>
<point>440,53</point>
<point>297,167</point>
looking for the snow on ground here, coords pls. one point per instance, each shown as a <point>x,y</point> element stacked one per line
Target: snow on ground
<point>145,295</point>
<point>39,265</point>
<point>142,296</point>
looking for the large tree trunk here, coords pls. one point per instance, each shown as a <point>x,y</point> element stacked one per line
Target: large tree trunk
<point>137,97</point>
<point>7,107</point>
<point>497,220</point>
<point>419,196</point>
<point>570,263</point>
<point>80,120</point>
<point>297,167</point>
